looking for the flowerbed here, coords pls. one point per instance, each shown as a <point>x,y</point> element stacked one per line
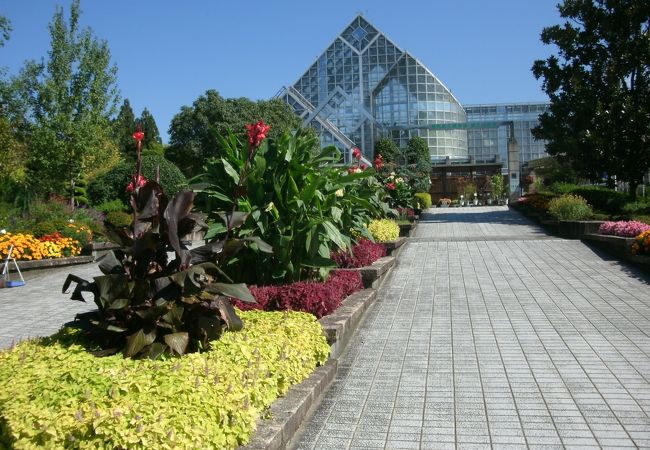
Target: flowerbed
<point>364,253</point>
<point>641,245</point>
<point>28,248</point>
<point>623,228</point>
<point>56,394</point>
<point>317,298</point>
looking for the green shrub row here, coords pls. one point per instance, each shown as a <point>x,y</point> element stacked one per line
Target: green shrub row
<point>55,394</point>
<point>569,207</point>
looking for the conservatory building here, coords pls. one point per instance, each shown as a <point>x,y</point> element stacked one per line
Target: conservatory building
<point>364,87</point>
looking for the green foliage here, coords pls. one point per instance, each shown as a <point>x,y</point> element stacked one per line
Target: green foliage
<point>553,169</point>
<point>298,201</point>
<point>151,134</point>
<point>384,230</point>
<point>388,149</point>
<point>112,184</point>
<point>71,98</point>
<point>111,205</point>
<point>498,186</point>
<point>194,132</point>
<point>206,400</point>
<point>148,306</point>
<point>423,199</point>
<point>122,130</point>
<point>569,207</point>
<point>5,29</point>
<point>599,87</point>
<point>601,198</point>
<point>417,152</point>
<point>118,219</point>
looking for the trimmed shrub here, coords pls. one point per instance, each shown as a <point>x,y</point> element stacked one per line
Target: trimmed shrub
<point>623,228</point>
<point>424,198</point>
<point>112,205</point>
<point>384,230</point>
<point>119,218</point>
<point>602,199</point>
<point>56,394</point>
<point>317,298</point>
<point>112,184</point>
<point>569,207</point>
<point>364,253</point>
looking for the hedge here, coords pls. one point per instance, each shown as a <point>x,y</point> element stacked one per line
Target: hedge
<point>55,394</point>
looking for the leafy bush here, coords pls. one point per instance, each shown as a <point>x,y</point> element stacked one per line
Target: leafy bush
<point>318,298</point>
<point>384,230</point>
<point>119,219</point>
<point>364,253</point>
<point>602,199</point>
<point>296,198</point>
<point>537,202</point>
<point>569,207</point>
<point>80,233</point>
<point>623,228</point>
<point>202,400</point>
<point>112,205</point>
<point>637,208</point>
<point>112,184</point>
<point>641,245</point>
<point>424,199</point>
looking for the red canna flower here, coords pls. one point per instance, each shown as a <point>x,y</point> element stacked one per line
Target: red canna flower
<point>363,166</point>
<point>136,183</point>
<point>379,162</point>
<point>391,186</point>
<point>356,153</point>
<point>257,133</point>
<point>138,135</point>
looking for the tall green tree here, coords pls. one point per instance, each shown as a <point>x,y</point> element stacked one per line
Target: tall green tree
<point>72,97</point>
<point>151,134</point>
<point>124,126</point>
<point>599,87</point>
<point>193,132</point>
<point>5,29</point>
<point>388,149</point>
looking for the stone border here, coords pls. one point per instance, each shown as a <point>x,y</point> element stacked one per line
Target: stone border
<point>407,229</point>
<point>393,246</point>
<point>289,412</point>
<point>620,247</point>
<point>372,275</point>
<point>51,262</point>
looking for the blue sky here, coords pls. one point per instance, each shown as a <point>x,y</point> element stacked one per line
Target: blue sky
<point>170,52</point>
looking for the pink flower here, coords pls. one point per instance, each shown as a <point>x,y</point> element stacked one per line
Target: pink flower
<point>356,153</point>
<point>138,135</point>
<point>257,133</point>
<point>391,186</point>
<point>136,183</point>
<point>353,169</point>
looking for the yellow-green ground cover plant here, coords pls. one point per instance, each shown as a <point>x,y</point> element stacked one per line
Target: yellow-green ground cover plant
<point>384,230</point>
<point>55,394</point>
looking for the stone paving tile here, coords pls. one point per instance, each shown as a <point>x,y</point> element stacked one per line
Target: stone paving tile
<point>505,339</point>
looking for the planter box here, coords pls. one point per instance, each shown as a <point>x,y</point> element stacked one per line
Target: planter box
<point>577,229</point>
<point>621,247</point>
<point>49,263</point>
<point>97,249</point>
<point>393,246</point>
<point>406,229</point>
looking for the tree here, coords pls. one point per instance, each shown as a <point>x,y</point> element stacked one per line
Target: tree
<point>5,29</point>
<point>388,149</point>
<point>599,87</point>
<point>72,97</point>
<point>151,134</point>
<point>193,132</point>
<point>123,127</point>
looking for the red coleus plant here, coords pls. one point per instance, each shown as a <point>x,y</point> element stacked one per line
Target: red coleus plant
<point>318,298</point>
<point>257,133</point>
<point>362,254</point>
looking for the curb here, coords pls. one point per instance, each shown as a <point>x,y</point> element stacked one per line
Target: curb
<point>289,412</point>
<point>52,262</point>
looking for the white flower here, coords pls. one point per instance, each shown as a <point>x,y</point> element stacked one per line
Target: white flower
<point>399,180</point>
<point>339,193</point>
<point>3,231</point>
<point>71,220</point>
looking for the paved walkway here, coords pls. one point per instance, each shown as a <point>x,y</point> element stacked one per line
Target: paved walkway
<point>491,334</point>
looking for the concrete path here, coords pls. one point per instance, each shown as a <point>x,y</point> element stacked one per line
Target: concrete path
<point>491,334</point>
<point>39,308</point>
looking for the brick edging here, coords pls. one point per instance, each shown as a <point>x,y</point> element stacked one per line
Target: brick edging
<point>50,262</point>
